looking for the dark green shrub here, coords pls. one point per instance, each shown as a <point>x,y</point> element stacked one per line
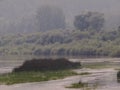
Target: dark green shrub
<point>118,76</point>
<point>47,65</point>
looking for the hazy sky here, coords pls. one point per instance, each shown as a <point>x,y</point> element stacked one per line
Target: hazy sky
<point>15,9</point>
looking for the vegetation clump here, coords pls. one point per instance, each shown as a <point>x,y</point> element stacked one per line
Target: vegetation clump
<point>37,70</point>
<point>85,73</point>
<point>25,77</point>
<point>47,65</point>
<point>118,76</point>
<point>78,85</point>
<point>63,43</point>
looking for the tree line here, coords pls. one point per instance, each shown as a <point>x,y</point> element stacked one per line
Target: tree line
<point>62,42</point>
<point>88,38</point>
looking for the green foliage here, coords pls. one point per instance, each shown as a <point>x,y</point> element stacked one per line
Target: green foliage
<point>118,76</point>
<point>24,77</point>
<point>62,42</point>
<point>47,65</point>
<point>85,73</point>
<point>78,85</point>
<point>89,20</point>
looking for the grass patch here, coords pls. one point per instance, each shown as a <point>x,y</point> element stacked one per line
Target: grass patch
<point>84,86</point>
<point>78,85</point>
<point>85,73</point>
<point>24,77</point>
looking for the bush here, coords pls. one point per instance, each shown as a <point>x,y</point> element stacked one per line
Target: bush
<point>118,76</point>
<point>47,65</point>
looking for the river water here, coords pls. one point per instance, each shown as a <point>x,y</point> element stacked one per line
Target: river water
<point>101,79</point>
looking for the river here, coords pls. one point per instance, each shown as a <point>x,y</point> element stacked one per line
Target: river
<point>103,79</point>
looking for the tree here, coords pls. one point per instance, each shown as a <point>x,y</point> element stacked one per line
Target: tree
<point>89,20</point>
<point>49,17</point>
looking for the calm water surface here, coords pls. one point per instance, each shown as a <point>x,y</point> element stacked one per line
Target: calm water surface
<point>102,79</point>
